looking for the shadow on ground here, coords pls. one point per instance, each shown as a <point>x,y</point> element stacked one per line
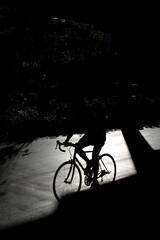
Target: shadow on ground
<point>8,152</point>
<point>126,208</point>
<point>11,149</point>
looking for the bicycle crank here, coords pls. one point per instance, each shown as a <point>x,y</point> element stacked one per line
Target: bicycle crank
<point>88,179</point>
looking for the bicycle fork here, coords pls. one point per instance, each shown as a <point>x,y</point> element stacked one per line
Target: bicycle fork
<point>70,174</point>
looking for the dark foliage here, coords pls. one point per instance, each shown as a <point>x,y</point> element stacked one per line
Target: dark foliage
<point>49,57</point>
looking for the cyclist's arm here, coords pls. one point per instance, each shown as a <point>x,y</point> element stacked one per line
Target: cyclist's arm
<point>68,138</point>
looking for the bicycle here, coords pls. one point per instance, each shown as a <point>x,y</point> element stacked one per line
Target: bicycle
<point>68,176</point>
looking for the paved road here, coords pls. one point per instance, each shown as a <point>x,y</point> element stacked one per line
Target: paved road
<point>26,181</point>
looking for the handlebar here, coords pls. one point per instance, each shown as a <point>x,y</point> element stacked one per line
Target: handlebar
<point>59,144</point>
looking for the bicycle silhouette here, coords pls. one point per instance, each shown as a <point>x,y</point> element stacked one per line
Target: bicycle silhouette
<point>68,176</point>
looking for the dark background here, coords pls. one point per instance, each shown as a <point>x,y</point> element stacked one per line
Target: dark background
<point>42,72</point>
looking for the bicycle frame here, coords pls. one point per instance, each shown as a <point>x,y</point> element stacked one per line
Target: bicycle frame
<point>74,160</point>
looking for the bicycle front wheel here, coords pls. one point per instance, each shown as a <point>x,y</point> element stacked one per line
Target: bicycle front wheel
<point>67,180</point>
<point>107,168</point>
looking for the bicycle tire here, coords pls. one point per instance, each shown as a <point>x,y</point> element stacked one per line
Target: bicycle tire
<point>67,180</point>
<point>108,165</point>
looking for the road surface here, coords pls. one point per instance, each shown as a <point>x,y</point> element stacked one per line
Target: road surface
<point>26,179</point>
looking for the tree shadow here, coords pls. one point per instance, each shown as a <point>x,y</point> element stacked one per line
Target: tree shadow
<point>146,159</point>
<point>12,149</point>
<point>8,153</point>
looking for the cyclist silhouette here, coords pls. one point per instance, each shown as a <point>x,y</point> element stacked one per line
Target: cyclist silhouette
<point>93,122</point>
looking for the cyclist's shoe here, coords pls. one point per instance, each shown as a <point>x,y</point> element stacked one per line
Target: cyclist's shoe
<point>89,165</point>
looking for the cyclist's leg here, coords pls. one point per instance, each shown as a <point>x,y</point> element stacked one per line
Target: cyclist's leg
<point>96,150</point>
<point>83,142</point>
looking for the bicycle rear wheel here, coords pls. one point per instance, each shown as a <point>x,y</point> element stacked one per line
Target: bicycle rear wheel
<point>67,180</point>
<point>107,168</point>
